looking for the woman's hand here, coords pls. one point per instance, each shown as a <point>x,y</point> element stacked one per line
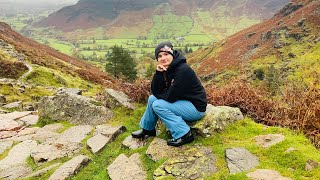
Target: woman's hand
<point>161,68</point>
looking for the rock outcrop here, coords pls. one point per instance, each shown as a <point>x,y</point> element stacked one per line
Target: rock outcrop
<point>74,108</point>
<point>216,119</point>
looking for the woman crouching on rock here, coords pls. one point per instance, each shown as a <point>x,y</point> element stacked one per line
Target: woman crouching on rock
<point>177,97</point>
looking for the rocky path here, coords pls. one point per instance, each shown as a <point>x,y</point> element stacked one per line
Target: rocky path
<point>20,141</point>
<point>30,69</point>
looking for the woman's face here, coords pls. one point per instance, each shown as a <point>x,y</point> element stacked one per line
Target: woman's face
<point>165,59</point>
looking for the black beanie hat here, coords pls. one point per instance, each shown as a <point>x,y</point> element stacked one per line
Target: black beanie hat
<point>163,47</point>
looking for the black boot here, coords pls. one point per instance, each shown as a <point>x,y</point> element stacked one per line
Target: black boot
<point>187,138</point>
<point>142,133</point>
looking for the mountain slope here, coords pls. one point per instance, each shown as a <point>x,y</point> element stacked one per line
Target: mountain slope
<point>131,19</point>
<point>270,70</point>
<point>297,22</point>
<point>43,55</point>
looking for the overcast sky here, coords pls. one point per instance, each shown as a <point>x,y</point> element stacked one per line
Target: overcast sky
<point>40,1</point>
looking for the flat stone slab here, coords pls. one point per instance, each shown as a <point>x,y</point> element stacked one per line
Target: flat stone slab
<point>97,142</point>
<point>16,115</point>
<point>16,104</point>
<point>75,134</point>
<point>127,168</point>
<point>30,119</point>
<point>266,174</point>
<point>7,134</point>
<point>43,171</point>
<point>44,135</point>
<point>53,127</point>
<point>109,131</point>
<point>310,164</point>
<point>15,172</point>
<point>133,143</point>
<point>5,145</point>
<point>158,149</point>
<point>268,140</point>
<point>240,159</point>
<point>48,152</point>
<point>195,163</point>
<point>9,125</point>
<point>70,168</point>
<point>18,154</point>
<point>118,98</point>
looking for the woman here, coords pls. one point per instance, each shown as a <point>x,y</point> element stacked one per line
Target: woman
<point>177,97</point>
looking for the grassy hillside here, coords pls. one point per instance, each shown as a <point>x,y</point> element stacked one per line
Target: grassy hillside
<point>270,70</point>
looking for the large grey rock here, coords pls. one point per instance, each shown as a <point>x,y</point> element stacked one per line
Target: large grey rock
<point>266,174</point>
<point>97,142</point>
<point>217,118</point>
<point>114,98</point>
<point>269,140</point>
<point>133,143</point>
<point>74,108</point>
<point>195,163</point>
<point>70,168</point>
<point>126,168</point>
<point>240,159</point>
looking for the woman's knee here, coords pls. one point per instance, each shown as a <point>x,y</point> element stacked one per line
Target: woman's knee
<point>151,99</point>
<point>158,104</point>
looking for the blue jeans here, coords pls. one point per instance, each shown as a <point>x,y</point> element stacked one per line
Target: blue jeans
<point>173,115</point>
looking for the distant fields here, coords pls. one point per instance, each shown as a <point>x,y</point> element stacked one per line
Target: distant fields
<point>199,30</point>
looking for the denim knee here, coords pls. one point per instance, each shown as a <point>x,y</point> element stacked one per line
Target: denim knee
<point>158,105</point>
<point>151,99</point>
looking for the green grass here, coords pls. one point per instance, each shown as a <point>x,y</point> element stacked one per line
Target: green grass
<point>242,133</point>
<point>12,93</point>
<point>51,77</point>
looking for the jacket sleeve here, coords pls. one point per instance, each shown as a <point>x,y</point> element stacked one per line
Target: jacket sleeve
<point>178,86</point>
<point>158,84</point>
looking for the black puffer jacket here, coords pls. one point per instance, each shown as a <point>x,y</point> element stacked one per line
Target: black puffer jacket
<point>179,82</point>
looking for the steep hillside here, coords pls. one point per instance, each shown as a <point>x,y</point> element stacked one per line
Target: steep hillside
<point>276,65</point>
<point>123,18</point>
<point>42,55</point>
<point>297,24</point>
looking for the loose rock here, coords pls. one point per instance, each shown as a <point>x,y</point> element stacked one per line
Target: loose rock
<point>240,159</point>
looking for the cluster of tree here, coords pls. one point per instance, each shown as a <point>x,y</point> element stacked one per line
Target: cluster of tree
<point>95,48</point>
<point>120,64</point>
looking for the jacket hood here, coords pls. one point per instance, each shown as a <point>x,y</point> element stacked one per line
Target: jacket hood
<point>178,58</point>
